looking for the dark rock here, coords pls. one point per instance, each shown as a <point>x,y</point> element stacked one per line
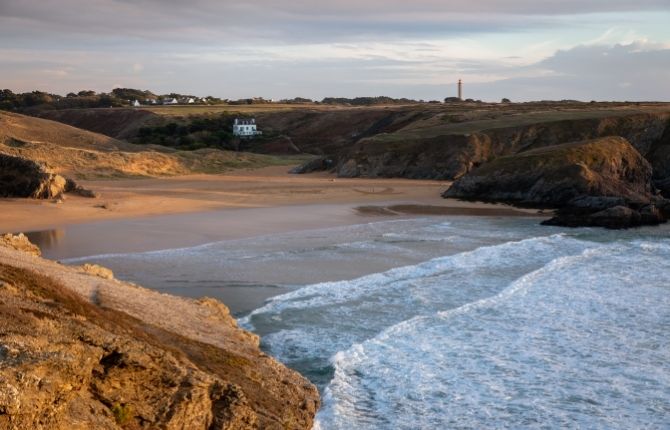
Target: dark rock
<point>617,217</point>
<point>603,182</point>
<point>554,176</point>
<point>21,177</point>
<point>651,215</point>
<point>317,165</point>
<point>596,203</point>
<point>71,187</point>
<point>349,170</point>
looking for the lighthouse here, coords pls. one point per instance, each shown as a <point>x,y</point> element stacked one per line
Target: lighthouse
<point>460,90</point>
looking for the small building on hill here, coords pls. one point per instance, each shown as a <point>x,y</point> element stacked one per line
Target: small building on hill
<point>135,103</point>
<point>170,102</point>
<point>245,127</point>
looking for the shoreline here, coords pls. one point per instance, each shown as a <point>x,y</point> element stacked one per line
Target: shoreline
<point>271,187</point>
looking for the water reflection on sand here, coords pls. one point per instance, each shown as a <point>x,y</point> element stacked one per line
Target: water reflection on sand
<point>46,239</point>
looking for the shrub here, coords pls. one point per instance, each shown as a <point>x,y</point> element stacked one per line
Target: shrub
<point>122,413</point>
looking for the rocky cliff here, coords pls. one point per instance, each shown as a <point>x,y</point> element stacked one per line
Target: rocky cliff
<point>449,151</point>
<point>80,351</point>
<point>603,182</point>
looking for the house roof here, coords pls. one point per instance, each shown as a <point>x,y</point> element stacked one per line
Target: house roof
<point>245,121</point>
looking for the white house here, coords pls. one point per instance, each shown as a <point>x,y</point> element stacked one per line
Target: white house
<point>135,103</point>
<point>190,101</point>
<point>170,102</point>
<point>245,127</point>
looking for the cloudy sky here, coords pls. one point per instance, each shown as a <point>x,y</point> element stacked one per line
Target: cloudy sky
<point>521,49</point>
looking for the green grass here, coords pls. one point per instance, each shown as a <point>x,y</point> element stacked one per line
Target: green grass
<point>503,121</point>
<point>222,161</point>
<point>122,413</point>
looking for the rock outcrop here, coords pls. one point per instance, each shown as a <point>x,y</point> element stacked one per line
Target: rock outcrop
<point>80,351</point>
<point>449,151</point>
<point>21,177</point>
<point>603,182</point>
<point>19,242</point>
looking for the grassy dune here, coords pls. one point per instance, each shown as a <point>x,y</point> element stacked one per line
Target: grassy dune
<point>89,155</point>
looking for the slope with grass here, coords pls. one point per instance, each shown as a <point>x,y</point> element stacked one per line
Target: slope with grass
<point>83,154</point>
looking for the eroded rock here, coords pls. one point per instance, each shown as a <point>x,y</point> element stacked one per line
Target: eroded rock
<point>603,182</point>
<point>78,352</point>
<point>21,177</point>
<point>19,242</point>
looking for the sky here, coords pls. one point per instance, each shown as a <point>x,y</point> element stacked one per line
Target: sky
<point>519,49</point>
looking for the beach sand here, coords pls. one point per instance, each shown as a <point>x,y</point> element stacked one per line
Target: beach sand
<point>267,187</point>
<point>138,215</point>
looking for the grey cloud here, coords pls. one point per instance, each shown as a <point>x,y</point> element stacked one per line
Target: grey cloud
<point>622,72</point>
<point>222,22</point>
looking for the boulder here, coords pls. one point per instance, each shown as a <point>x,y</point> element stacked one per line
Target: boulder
<point>21,177</point>
<point>316,165</point>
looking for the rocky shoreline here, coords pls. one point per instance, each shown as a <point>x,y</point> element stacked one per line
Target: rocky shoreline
<point>82,350</point>
<point>604,182</point>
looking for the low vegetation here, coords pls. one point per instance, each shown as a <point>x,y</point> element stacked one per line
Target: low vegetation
<point>193,132</point>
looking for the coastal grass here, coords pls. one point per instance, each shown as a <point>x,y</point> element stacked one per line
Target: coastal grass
<point>446,125</point>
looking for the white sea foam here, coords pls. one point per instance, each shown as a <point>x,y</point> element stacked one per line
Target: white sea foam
<point>317,321</point>
<point>578,343</point>
<point>470,323</point>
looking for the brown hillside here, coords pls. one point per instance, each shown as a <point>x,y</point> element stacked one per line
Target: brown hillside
<point>75,152</point>
<point>116,122</point>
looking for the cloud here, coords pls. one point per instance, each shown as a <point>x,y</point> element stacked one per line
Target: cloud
<point>524,49</point>
<point>638,71</point>
<point>244,21</point>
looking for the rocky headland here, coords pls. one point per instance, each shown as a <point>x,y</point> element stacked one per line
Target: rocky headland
<point>604,182</point>
<point>81,350</point>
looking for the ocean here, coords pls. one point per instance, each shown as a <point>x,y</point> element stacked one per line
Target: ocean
<point>448,322</point>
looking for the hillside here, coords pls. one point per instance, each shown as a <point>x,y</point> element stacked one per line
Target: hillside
<point>118,123</point>
<point>428,141</point>
<point>84,154</point>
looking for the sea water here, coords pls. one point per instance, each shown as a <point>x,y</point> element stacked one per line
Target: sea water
<point>452,322</point>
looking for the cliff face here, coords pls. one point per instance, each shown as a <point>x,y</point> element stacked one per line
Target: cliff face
<point>79,351</point>
<point>554,175</point>
<point>586,180</point>
<point>422,154</point>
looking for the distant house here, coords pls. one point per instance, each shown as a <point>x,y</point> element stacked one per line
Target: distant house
<point>170,101</point>
<point>135,103</point>
<point>190,101</point>
<point>244,127</point>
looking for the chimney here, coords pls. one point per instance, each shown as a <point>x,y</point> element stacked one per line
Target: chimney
<point>460,90</point>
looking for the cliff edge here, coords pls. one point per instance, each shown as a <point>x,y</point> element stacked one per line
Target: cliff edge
<point>604,182</point>
<point>81,350</point>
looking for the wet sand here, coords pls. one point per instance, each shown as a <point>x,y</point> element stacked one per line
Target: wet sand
<point>167,213</point>
<point>262,188</point>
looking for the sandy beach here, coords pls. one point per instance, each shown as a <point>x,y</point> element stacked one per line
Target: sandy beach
<point>260,188</point>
